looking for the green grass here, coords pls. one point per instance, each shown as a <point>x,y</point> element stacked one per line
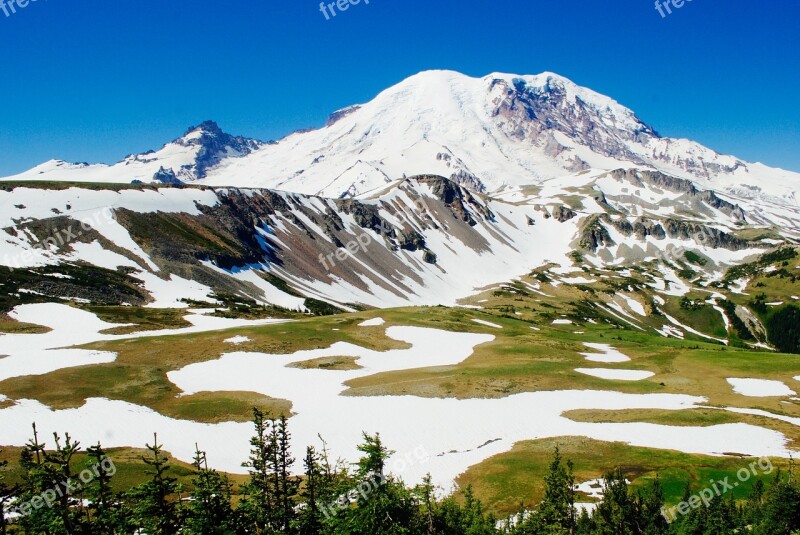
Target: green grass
<point>515,479</point>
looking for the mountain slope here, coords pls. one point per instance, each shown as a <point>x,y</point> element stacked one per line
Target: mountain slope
<point>485,133</point>
<point>185,159</point>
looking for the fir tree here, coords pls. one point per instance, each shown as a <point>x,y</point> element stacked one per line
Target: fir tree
<point>286,485</point>
<point>66,485</point>
<point>210,511</point>
<point>7,494</point>
<point>309,521</point>
<point>556,512</point>
<point>257,508</point>
<point>105,512</point>
<point>617,513</point>
<point>155,504</point>
<point>38,482</point>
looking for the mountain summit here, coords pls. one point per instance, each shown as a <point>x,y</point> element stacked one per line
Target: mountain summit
<point>488,134</point>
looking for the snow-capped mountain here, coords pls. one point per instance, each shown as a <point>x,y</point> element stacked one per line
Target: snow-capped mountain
<point>486,133</point>
<point>417,241</point>
<point>183,160</point>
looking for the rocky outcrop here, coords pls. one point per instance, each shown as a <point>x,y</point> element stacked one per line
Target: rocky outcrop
<point>167,176</point>
<point>563,213</point>
<point>216,145</point>
<point>461,202</point>
<point>642,228</point>
<point>679,185</point>
<point>594,235</point>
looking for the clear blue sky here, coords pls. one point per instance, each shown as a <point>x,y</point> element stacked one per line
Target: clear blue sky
<point>94,80</point>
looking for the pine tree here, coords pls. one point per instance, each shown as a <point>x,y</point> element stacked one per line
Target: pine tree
<point>781,511</point>
<point>210,511</point>
<point>258,506</point>
<point>383,505</point>
<point>428,505</point>
<point>617,513</point>
<point>155,504</point>
<point>7,494</point>
<point>105,512</point>
<point>556,512</point>
<point>309,521</point>
<point>651,521</point>
<point>286,485</point>
<point>38,482</point>
<point>475,520</point>
<point>67,504</point>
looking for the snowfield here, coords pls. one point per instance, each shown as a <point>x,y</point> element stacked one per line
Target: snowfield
<point>440,436</point>
<point>38,354</point>
<point>606,354</point>
<point>619,375</point>
<point>760,388</point>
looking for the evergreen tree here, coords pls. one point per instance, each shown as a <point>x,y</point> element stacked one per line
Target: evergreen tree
<point>781,511</point>
<point>258,506</point>
<point>383,505</point>
<point>649,506</point>
<point>67,505</point>
<point>286,485</point>
<point>210,511</point>
<point>106,515</point>
<point>556,514</point>
<point>475,519</point>
<point>38,491</point>
<point>309,521</point>
<point>155,504</point>
<point>616,514</point>
<point>7,494</point>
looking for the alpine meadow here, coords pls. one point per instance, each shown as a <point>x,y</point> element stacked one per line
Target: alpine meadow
<point>462,304</point>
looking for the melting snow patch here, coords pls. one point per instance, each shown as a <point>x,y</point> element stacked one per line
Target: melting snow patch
<point>593,488</point>
<point>236,340</point>
<point>562,322</point>
<point>487,323</point>
<point>607,353</point>
<point>760,388</point>
<point>374,322</point>
<point>620,375</point>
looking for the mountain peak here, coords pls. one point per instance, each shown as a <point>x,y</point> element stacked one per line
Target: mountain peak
<point>207,127</point>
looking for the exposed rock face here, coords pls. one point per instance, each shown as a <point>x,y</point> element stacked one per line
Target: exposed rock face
<point>216,145</point>
<point>534,113</point>
<point>456,198</point>
<point>595,235</point>
<point>563,213</point>
<point>679,185</point>
<point>167,176</point>
<point>468,180</point>
<point>411,240</point>
<point>366,215</point>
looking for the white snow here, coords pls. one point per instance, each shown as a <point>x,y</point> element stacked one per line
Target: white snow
<point>606,354</point>
<point>236,340</point>
<point>487,323</point>
<point>620,375</point>
<point>760,388</point>
<point>38,354</point>
<point>374,322</point>
<point>451,444</point>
